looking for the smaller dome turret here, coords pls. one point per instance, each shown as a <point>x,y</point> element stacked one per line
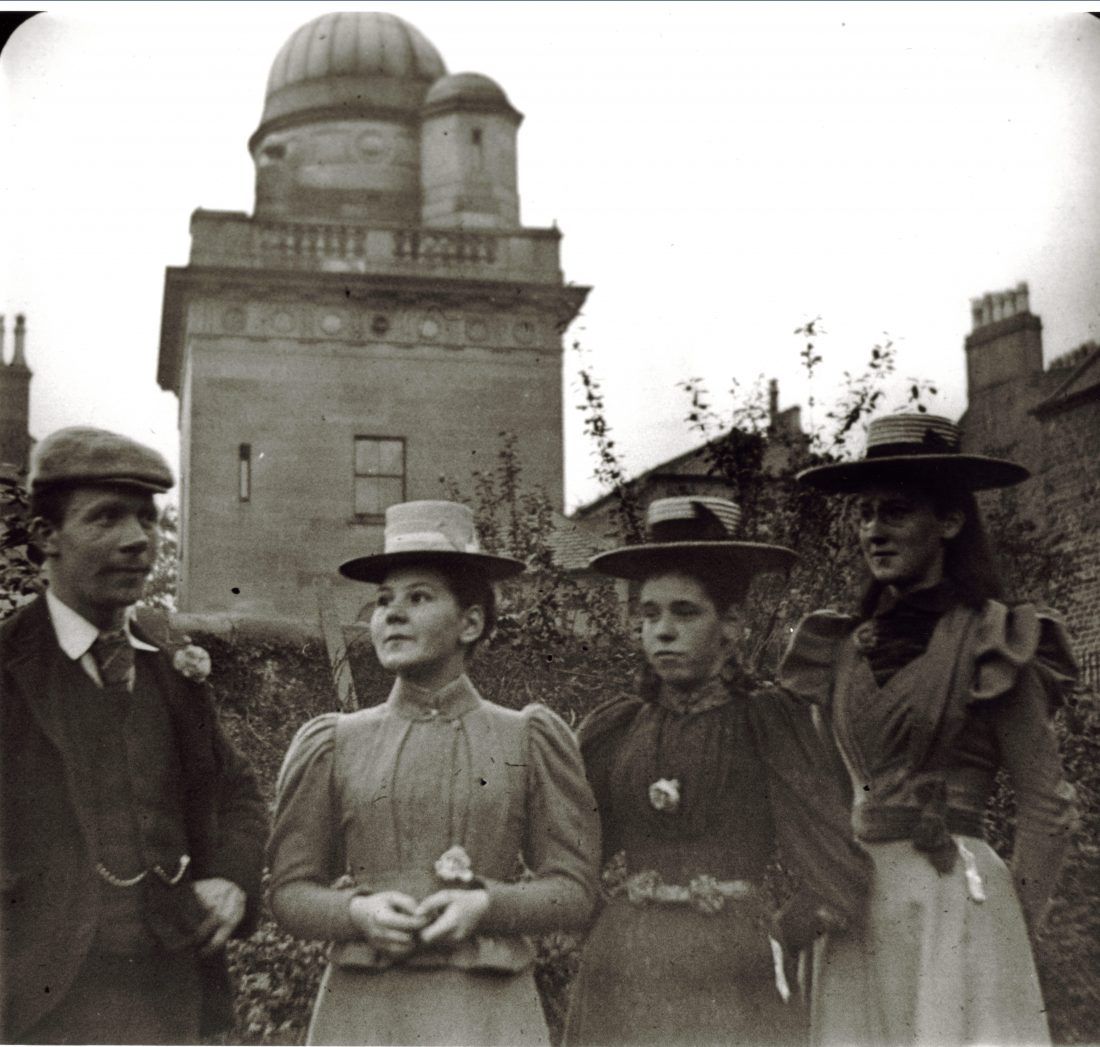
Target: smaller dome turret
<point>468,154</point>
<point>472,92</point>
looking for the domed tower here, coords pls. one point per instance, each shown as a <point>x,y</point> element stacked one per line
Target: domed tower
<point>468,154</point>
<point>340,137</point>
<point>370,330</point>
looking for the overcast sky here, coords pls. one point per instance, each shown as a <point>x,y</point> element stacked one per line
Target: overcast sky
<point>721,173</point>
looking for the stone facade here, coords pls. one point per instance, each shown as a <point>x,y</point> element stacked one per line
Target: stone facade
<point>1048,419</point>
<point>15,395</point>
<point>374,327</point>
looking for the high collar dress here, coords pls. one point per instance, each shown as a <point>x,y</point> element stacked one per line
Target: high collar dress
<point>695,798</point>
<point>928,699</point>
<point>371,800</point>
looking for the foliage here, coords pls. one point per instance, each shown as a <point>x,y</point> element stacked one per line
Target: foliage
<point>19,575</point>
<point>160,586</point>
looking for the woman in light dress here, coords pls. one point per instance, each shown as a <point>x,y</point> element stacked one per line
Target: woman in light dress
<point>930,689</point>
<point>399,829</point>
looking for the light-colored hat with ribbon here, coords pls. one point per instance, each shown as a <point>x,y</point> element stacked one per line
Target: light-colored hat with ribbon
<point>430,533</point>
<point>917,447</point>
<point>691,529</point>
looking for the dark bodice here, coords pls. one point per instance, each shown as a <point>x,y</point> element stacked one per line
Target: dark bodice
<point>723,824</point>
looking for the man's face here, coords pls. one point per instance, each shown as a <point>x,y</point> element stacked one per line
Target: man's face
<point>102,551</point>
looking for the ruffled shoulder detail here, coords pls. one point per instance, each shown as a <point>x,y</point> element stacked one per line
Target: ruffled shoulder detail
<point>807,668</point>
<point>313,744</point>
<point>606,719</point>
<point>1009,639</point>
<point>547,732</point>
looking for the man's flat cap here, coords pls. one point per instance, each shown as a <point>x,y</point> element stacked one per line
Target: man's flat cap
<point>82,455</point>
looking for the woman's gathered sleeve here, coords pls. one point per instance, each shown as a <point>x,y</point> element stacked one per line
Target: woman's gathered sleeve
<point>304,848</point>
<point>1024,666</point>
<point>808,666</point>
<point>562,838</point>
<point>812,821</point>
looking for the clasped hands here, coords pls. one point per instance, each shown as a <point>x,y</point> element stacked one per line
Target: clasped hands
<point>395,924</point>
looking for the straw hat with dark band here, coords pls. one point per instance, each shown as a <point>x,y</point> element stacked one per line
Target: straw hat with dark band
<point>689,529</point>
<point>917,447</point>
<point>428,534</point>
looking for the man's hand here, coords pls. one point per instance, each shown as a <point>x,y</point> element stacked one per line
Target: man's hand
<point>388,920</point>
<point>224,903</point>
<point>455,915</point>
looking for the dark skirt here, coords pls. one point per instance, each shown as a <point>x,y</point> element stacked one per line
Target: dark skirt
<point>669,975</point>
<point>427,1005</point>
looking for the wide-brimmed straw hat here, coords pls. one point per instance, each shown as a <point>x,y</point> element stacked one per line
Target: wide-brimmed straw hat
<point>688,529</point>
<point>915,447</point>
<point>440,534</point>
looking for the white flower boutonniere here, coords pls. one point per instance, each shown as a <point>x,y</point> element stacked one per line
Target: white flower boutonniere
<point>193,662</point>
<point>453,866</point>
<point>664,795</point>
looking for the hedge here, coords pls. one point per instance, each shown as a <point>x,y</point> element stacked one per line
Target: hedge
<point>267,689</point>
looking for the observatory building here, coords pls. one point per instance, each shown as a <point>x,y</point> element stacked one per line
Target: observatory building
<point>374,326</point>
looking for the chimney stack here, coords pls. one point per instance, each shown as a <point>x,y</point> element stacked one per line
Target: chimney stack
<point>773,401</point>
<point>1005,342</point>
<point>18,359</point>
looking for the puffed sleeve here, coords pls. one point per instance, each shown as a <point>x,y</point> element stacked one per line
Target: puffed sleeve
<point>1024,665</point>
<point>303,853</point>
<point>562,839</point>
<point>812,820</point>
<point>807,667</point>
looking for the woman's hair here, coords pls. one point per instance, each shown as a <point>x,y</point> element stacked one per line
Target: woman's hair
<point>723,588</point>
<point>471,588</point>
<point>968,559</point>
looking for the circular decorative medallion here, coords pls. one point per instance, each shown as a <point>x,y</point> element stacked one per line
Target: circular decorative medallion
<point>282,322</point>
<point>476,330</point>
<point>332,323</point>
<point>379,324</point>
<point>373,146</point>
<point>524,332</point>
<point>233,319</point>
<point>431,326</point>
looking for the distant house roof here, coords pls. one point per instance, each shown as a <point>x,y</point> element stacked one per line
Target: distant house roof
<point>573,544</point>
<point>1081,385</point>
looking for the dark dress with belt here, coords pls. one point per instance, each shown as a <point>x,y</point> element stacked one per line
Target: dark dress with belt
<point>694,799</point>
<point>928,699</point>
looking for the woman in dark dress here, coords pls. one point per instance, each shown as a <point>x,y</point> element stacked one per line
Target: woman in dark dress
<point>698,779</point>
<point>930,689</point>
<point>399,828</point>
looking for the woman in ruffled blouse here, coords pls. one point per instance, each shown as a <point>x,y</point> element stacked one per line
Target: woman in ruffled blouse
<point>930,689</point>
<point>399,828</point>
<point>698,780</point>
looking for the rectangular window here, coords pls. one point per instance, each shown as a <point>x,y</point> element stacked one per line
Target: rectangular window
<point>379,475</point>
<point>244,475</point>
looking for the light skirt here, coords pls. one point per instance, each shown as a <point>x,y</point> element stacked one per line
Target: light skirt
<point>419,1005</point>
<point>932,964</point>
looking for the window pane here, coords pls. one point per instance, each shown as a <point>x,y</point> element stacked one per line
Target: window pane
<point>373,494</point>
<point>391,457</point>
<point>366,457</point>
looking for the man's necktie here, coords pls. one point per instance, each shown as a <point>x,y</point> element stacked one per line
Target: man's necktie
<point>114,657</point>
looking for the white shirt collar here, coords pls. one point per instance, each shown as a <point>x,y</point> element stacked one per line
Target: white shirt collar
<point>75,634</point>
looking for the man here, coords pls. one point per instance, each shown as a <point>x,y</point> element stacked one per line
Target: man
<point>132,833</point>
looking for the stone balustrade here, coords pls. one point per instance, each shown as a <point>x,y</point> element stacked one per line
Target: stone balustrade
<point>235,240</point>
